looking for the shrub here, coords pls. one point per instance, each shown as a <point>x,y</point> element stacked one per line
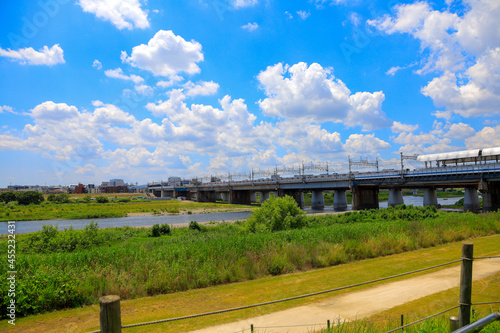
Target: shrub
<point>29,197</point>
<point>58,198</point>
<point>8,196</point>
<point>193,225</point>
<point>102,199</point>
<point>165,229</point>
<point>276,214</point>
<point>155,231</point>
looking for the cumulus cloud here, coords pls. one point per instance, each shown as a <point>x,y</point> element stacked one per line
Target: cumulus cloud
<point>201,89</point>
<point>487,137</point>
<point>250,26</point>
<point>314,93</point>
<point>398,127</point>
<point>123,14</point>
<point>118,74</point>
<point>7,108</point>
<point>365,144</point>
<point>28,56</point>
<point>166,55</point>
<point>462,48</point>
<point>460,131</point>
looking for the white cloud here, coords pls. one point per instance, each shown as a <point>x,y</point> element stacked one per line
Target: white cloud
<point>463,48</point>
<point>398,127</point>
<point>412,139</point>
<point>44,56</point>
<point>144,90</point>
<point>123,14</point>
<point>118,74</point>
<point>288,15</point>
<point>460,131</point>
<point>443,114</point>
<point>366,144</point>
<point>250,26</point>
<point>166,55</point>
<point>201,89</point>
<point>313,93</point>
<point>303,14</point>
<point>244,3</point>
<point>171,82</point>
<point>7,108</point>
<point>487,137</point>
<point>97,64</point>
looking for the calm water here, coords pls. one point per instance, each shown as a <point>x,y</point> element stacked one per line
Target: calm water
<point>144,221</point>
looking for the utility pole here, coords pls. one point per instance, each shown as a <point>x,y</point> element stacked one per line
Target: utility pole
<point>407,157</point>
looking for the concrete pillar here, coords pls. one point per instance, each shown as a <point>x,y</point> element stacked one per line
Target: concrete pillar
<point>364,197</point>
<point>430,197</point>
<point>471,200</point>
<point>206,196</point>
<point>264,196</point>
<point>339,200</point>
<point>162,193</point>
<point>253,197</point>
<point>297,195</point>
<point>317,200</point>
<point>395,197</point>
<point>239,197</point>
<point>491,195</point>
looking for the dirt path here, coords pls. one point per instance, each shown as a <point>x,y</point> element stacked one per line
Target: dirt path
<point>358,304</point>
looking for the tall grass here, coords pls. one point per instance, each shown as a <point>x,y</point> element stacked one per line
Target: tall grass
<point>127,262</point>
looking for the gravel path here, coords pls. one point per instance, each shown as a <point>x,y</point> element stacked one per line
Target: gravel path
<point>358,304</point>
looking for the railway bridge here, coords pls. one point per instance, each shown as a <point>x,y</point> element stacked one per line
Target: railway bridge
<point>477,171</point>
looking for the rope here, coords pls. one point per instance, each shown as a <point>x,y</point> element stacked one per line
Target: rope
<point>487,257</point>
<point>420,320</point>
<point>285,299</point>
<point>483,303</point>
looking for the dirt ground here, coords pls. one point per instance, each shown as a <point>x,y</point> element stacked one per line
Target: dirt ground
<point>358,304</point>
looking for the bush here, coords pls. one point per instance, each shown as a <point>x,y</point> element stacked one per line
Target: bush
<point>8,196</point>
<point>102,199</point>
<point>58,198</point>
<point>29,197</point>
<point>193,225</point>
<point>165,229</point>
<point>276,214</point>
<point>155,231</point>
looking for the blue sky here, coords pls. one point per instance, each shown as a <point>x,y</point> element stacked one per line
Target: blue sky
<point>143,90</point>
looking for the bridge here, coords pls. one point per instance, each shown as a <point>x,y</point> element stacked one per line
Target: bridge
<point>477,171</point>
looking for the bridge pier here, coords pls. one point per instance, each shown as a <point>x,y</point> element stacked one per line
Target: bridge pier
<point>430,197</point>
<point>339,200</point>
<point>491,195</point>
<point>253,197</point>
<point>364,197</point>
<point>239,197</point>
<point>206,196</point>
<point>297,195</point>
<point>471,200</point>
<point>317,200</point>
<point>224,196</point>
<point>162,193</point>
<point>395,197</point>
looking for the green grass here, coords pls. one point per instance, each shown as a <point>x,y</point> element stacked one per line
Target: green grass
<point>196,301</point>
<point>72,268</point>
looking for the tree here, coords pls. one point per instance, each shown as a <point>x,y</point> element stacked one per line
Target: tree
<point>102,199</point>
<point>7,196</point>
<point>276,214</point>
<point>29,197</point>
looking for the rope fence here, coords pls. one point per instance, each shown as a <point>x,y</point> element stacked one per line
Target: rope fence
<point>462,259</point>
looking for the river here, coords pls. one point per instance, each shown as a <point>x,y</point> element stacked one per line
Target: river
<point>145,221</point>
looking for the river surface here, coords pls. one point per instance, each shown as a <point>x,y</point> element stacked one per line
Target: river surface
<point>146,221</point>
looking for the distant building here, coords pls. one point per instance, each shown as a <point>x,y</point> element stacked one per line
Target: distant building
<point>114,186</point>
<point>174,181</point>
<point>116,182</point>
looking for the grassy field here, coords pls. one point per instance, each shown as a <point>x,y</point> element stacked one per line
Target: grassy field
<point>64,269</point>
<point>278,287</point>
<point>115,208</point>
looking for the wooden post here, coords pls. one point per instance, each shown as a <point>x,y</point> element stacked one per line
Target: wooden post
<point>110,316</point>
<point>328,325</point>
<point>251,328</point>
<point>402,322</point>
<point>454,324</point>
<point>466,284</point>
